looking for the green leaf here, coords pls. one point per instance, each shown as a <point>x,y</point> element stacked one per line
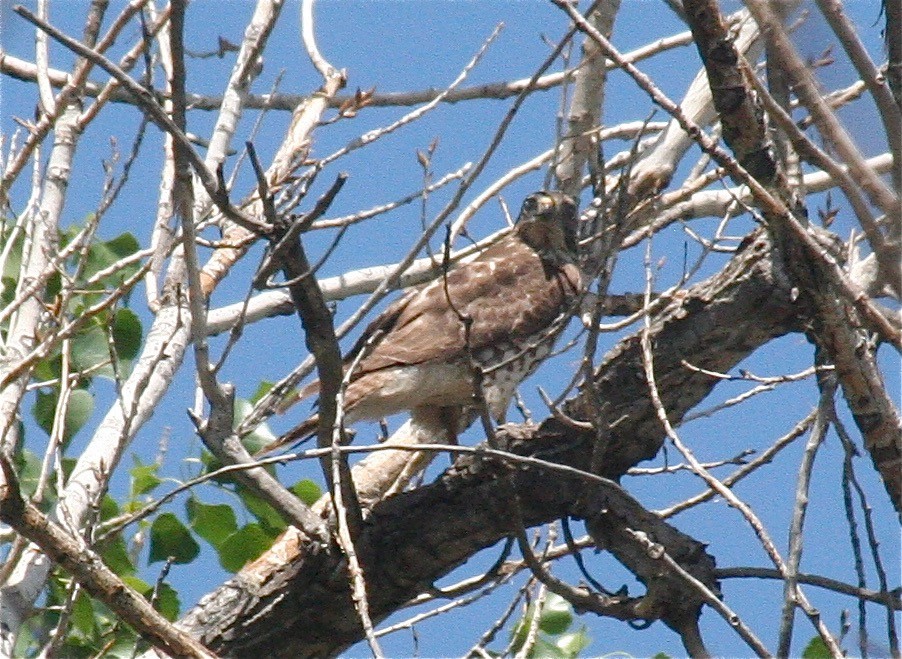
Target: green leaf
<point>49,368</point>
<point>816,649</point>
<point>124,647</point>
<point>7,293</point>
<point>127,333</point>
<point>82,615</point>
<point>144,477</point>
<point>90,348</point>
<point>269,517</point>
<point>211,463</point>
<point>81,406</point>
<point>27,638</point>
<point>44,409</point>
<point>244,545</point>
<point>54,286</point>
<point>213,523</point>
<point>521,629</point>
<point>29,467</point>
<point>115,555</point>
<point>545,650</point>
<point>12,265</point>
<point>68,464</point>
<point>262,390</point>
<point>138,584</point>
<point>14,261</point>
<point>572,643</point>
<point>57,588</point>
<point>556,616</point>
<point>169,537</point>
<point>167,602</point>
<point>104,254</point>
<point>307,491</point>
<point>109,508</point>
<point>260,436</point>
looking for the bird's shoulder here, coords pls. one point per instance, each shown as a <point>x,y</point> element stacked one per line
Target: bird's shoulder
<point>508,292</point>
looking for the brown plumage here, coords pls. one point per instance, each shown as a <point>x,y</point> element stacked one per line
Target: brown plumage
<point>518,294</point>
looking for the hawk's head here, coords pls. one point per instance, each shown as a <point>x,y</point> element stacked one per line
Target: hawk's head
<point>548,223</point>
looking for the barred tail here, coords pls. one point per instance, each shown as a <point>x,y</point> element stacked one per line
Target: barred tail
<point>308,390</point>
<point>299,433</point>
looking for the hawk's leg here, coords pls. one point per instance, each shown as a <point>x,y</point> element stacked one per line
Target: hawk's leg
<point>439,425</point>
<point>450,419</point>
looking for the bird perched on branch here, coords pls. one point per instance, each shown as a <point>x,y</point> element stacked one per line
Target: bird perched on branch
<point>491,320</point>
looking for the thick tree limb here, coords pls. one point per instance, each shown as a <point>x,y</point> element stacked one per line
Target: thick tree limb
<point>296,601</point>
<point>579,146</point>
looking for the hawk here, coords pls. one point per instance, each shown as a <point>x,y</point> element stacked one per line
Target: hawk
<point>418,355</point>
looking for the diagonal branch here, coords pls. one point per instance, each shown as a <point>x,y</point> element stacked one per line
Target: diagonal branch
<point>413,538</point>
<point>91,572</point>
<point>804,251</point>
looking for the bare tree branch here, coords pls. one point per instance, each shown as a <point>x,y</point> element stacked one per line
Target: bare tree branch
<point>90,570</point>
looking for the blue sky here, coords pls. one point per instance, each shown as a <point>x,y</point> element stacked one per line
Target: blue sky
<point>398,45</point>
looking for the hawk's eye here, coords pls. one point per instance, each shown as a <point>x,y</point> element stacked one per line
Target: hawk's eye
<point>537,204</point>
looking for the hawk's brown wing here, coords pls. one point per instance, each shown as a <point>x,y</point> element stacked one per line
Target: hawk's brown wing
<point>509,292</point>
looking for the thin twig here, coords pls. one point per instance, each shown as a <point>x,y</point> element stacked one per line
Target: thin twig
<point>771,205</point>
<point>716,485</point>
<point>150,105</point>
<point>800,507</point>
<point>374,135</point>
<point>711,598</point>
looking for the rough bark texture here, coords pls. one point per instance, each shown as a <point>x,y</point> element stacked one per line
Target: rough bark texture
<point>836,324</point>
<point>740,116</point>
<point>894,48</point>
<point>838,330</point>
<point>713,326</point>
<point>298,603</point>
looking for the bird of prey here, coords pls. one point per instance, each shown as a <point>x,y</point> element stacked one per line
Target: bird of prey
<point>419,354</point>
